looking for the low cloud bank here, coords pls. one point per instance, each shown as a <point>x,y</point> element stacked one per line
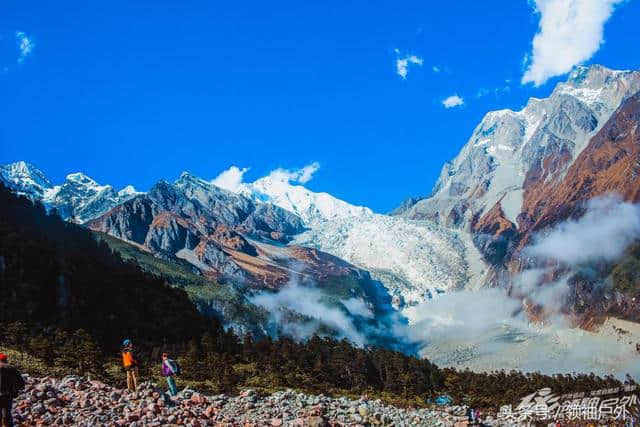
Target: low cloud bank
<point>302,309</point>
<point>489,329</point>
<point>601,234</point>
<point>310,303</point>
<point>608,226</point>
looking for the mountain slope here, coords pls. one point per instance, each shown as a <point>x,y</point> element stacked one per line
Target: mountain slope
<point>506,147</point>
<point>414,260</point>
<point>67,301</point>
<point>79,198</point>
<point>229,239</point>
<point>525,175</point>
<point>205,225</point>
<point>225,302</point>
<point>609,166</point>
<point>610,163</point>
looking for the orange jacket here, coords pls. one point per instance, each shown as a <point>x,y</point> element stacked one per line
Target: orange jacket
<point>127,358</point>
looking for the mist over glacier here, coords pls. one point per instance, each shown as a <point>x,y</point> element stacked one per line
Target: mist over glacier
<point>490,328</point>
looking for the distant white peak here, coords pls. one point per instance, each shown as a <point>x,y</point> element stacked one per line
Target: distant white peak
<point>81,178</point>
<point>310,206</point>
<point>186,175</point>
<point>129,190</point>
<point>22,171</point>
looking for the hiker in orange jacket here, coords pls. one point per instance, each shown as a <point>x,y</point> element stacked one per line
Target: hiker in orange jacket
<point>130,365</point>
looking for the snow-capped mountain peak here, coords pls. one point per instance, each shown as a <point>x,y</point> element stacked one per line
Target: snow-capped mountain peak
<point>129,190</point>
<point>25,179</point>
<point>312,207</point>
<point>506,145</point>
<point>81,179</point>
<point>79,197</point>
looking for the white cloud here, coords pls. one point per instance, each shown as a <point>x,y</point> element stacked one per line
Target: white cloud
<point>453,101</point>
<point>607,228</point>
<point>358,307</point>
<point>435,69</point>
<point>402,63</point>
<point>231,179</point>
<point>601,234</point>
<point>309,302</point>
<point>25,44</point>
<point>302,175</point>
<point>569,33</point>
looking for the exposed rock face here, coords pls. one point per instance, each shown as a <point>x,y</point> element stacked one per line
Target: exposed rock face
<point>210,252</point>
<point>225,235</point>
<point>129,221</point>
<point>494,235</point>
<point>168,232</point>
<point>510,151</point>
<point>609,164</point>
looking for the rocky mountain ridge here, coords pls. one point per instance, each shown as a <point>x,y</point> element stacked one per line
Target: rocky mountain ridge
<point>79,198</point>
<point>494,169</point>
<point>230,235</point>
<point>223,234</point>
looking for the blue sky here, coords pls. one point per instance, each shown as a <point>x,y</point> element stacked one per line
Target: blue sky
<point>134,92</point>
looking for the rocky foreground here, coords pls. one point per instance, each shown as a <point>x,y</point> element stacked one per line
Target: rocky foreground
<point>82,402</point>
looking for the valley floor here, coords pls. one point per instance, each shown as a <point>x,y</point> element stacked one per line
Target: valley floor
<point>609,350</point>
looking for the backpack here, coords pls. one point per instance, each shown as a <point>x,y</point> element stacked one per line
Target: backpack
<point>175,367</point>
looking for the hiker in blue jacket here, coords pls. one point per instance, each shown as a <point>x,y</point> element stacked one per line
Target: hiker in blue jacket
<point>170,368</point>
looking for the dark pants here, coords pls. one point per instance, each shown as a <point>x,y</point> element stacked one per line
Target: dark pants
<point>6,420</point>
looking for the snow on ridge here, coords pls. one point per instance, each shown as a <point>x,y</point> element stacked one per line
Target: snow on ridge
<point>79,197</point>
<point>414,260</point>
<point>313,208</point>
<point>24,178</point>
<point>499,152</point>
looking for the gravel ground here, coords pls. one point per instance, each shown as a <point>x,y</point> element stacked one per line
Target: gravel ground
<point>81,402</point>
